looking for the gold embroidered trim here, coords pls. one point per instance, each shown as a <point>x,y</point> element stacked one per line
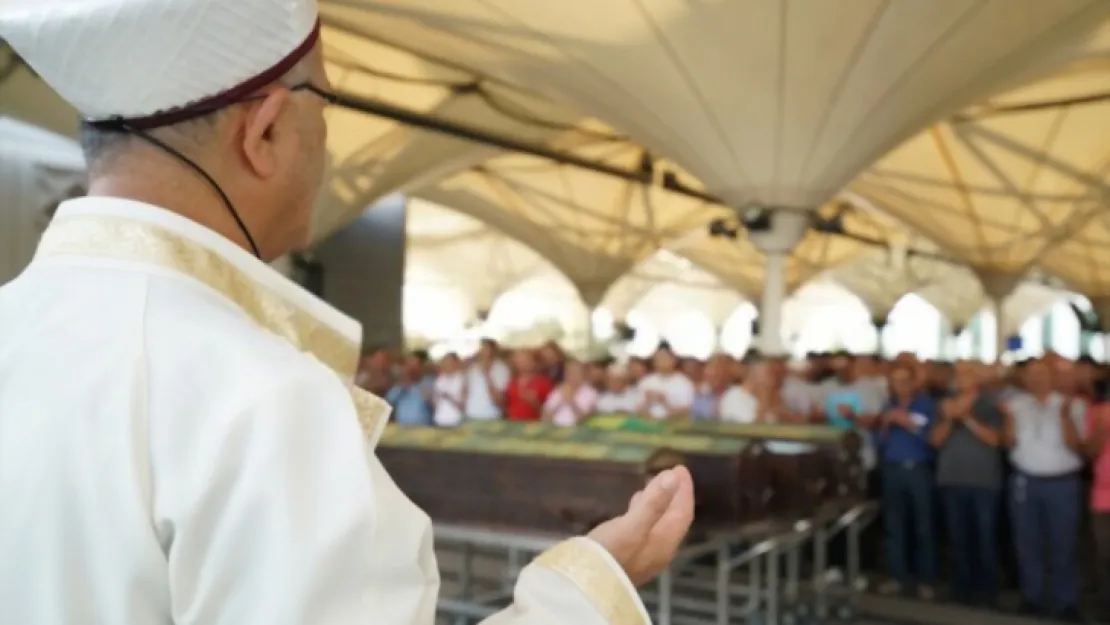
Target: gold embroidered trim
<point>373,413</point>
<point>579,561</point>
<point>124,239</point>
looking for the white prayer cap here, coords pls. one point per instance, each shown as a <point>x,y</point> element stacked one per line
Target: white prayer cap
<point>157,62</point>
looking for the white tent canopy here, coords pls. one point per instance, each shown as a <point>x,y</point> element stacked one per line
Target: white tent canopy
<point>776,102</point>
<point>38,169</point>
<point>927,140</point>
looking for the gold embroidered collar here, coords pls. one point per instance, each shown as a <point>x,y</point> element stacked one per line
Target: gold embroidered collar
<point>120,238</point>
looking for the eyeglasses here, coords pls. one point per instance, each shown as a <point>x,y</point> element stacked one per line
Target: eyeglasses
<point>321,93</point>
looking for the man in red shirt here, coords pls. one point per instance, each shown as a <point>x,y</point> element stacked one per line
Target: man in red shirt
<point>527,390</point>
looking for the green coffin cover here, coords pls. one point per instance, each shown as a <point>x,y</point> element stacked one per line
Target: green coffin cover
<point>475,440</point>
<point>686,443</point>
<point>779,431</point>
<point>763,431</point>
<point>626,423</point>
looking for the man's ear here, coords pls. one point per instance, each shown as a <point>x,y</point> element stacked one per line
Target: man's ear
<point>261,132</point>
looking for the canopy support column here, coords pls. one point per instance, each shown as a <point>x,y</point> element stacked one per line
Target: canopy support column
<point>1101,305</point>
<point>590,338</point>
<point>880,323</point>
<point>592,293</point>
<point>784,230</point>
<point>952,342</point>
<point>998,286</point>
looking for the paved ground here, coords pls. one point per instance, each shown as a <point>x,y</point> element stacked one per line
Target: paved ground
<point>873,610</point>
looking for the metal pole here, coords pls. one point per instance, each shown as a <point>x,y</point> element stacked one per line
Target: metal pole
<point>773,587</point>
<point>793,572</point>
<point>466,581</point>
<point>460,131</point>
<point>820,575</point>
<point>666,586</point>
<point>512,569</point>
<point>724,591</point>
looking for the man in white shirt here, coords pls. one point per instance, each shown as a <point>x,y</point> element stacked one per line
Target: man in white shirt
<point>487,377</point>
<point>208,458</point>
<point>739,405</point>
<point>618,397</point>
<point>449,392</point>
<point>666,393</point>
<point>1041,428</point>
<point>720,398</point>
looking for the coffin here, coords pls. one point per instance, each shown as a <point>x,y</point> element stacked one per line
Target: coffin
<point>808,466</point>
<point>534,485</point>
<point>732,482</point>
<point>816,464</point>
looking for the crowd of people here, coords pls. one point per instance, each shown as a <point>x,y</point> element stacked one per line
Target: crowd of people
<point>985,450</point>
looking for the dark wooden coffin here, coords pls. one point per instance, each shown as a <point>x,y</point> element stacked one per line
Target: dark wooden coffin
<point>732,482</point>
<point>814,464</point>
<point>535,485</point>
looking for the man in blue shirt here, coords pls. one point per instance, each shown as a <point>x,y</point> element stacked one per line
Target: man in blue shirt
<point>902,438</point>
<point>411,395</point>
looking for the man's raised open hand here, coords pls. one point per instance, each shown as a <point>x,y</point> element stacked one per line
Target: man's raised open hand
<point>646,538</point>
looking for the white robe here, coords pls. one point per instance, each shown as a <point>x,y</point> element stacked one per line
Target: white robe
<point>180,442</point>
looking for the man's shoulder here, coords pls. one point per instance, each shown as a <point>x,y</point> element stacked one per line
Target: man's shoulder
<point>196,335</point>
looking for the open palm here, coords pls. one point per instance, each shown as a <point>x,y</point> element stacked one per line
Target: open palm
<point>645,539</point>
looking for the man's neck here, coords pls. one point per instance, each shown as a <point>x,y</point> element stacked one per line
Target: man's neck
<point>194,200</point>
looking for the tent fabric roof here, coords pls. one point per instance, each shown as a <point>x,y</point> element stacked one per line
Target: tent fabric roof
<point>1018,182</point>
<point>778,102</point>
<point>1009,177</point>
<point>482,61</point>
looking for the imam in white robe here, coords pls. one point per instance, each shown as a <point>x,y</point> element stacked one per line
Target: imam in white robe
<point>180,441</point>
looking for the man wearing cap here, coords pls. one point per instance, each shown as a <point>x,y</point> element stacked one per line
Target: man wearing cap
<point>208,459</point>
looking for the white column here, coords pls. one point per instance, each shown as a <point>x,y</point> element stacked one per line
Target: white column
<point>589,338</point>
<point>880,322</point>
<point>592,293</point>
<point>998,286</point>
<point>952,344</point>
<point>1000,335</point>
<point>786,230</point>
<point>771,305</point>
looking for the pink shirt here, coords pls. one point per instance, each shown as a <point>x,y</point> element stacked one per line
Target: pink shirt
<point>1099,417</point>
<point>562,414</point>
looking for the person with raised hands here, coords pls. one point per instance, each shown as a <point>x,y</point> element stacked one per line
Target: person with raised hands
<point>210,459</point>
